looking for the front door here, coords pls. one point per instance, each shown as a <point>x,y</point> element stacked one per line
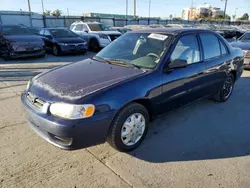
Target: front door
<point>183,85</point>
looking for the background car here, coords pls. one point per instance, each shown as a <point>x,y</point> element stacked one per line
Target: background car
<point>18,41</point>
<point>97,34</point>
<point>244,44</point>
<point>60,40</point>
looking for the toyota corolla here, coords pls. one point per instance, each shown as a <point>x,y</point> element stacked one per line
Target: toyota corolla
<point>114,95</point>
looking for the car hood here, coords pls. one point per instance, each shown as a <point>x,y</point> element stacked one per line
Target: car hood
<point>242,45</point>
<point>107,32</point>
<point>23,38</point>
<point>76,80</point>
<point>70,40</point>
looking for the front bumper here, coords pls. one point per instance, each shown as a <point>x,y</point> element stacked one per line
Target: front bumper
<point>247,63</point>
<point>23,54</point>
<point>73,49</point>
<point>79,133</point>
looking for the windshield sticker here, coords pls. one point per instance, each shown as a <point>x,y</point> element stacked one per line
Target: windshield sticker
<point>157,36</point>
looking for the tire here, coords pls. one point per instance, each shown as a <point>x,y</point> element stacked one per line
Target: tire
<point>55,50</point>
<point>226,90</point>
<point>6,57</point>
<point>137,133</point>
<point>94,45</point>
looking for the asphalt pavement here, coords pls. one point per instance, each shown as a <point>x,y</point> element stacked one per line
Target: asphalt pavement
<point>204,144</point>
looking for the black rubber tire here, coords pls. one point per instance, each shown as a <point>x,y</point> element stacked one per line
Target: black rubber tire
<point>114,136</point>
<point>6,56</point>
<point>94,45</point>
<point>54,52</point>
<point>219,97</point>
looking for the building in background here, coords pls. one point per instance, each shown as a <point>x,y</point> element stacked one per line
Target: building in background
<point>201,11</point>
<point>188,13</point>
<point>217,12</point>
<point>101,15</point>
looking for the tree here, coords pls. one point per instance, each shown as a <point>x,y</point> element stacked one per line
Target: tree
<point>47,13</point>
<point>221,17</point>
<point>57,13</point>
<point>244,17</point>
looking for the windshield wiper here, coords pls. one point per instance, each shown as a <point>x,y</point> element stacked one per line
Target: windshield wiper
<point>117,62</point>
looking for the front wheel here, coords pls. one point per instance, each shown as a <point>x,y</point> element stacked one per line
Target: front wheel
<point>226,90</point>
<point>94,45</point>
<point>129,128</point>
<point>55,50</point>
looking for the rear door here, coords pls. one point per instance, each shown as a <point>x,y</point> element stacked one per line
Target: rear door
<point>215,55</point>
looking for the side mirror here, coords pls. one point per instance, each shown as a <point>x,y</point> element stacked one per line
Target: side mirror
<point>177,63</point>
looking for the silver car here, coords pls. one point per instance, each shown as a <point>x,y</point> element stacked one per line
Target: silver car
<point>97,34</point>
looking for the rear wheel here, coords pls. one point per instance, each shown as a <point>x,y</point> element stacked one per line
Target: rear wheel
<point>94,45</point>
<point>129,128</point>
<point>6,56</point>
<point>226,90</point>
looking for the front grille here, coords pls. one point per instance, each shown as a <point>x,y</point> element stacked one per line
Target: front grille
<point>34,101</point>
<point>113,37</point>
<point>76,45</point>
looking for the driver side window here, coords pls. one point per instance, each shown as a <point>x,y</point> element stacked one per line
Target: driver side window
<point>187,49</point>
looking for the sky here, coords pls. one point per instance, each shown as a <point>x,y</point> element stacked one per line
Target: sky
<point>159,8</point>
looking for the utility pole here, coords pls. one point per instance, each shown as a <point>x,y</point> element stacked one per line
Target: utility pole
<point>134,8</point>
<point>126,9</point>
<point>225,9</point>
<point>29,5</point>
<point>149,8</point>
<point>235,13</point>
<point>42,6</point>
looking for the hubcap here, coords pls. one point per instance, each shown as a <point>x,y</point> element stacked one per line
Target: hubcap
<point>227,88</point>
<point>133,129</point>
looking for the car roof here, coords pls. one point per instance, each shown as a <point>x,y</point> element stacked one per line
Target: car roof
<point>173,31</point>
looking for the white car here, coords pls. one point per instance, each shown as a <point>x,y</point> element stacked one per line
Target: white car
<point>97,34</point>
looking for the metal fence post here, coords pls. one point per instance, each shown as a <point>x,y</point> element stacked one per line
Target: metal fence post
<point>0,19</point>
<point>44,21</point>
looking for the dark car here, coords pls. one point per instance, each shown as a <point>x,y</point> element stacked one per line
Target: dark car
<point>60,40</point>
<point>230,34</point>
<point>139,76</point>
<point>18,41</point>
<point>244,43</point>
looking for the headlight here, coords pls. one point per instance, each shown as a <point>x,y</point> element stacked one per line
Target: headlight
<point>63,44</point>
<point>71,111</point>
<point>28,85</point>
<point>102,36</point>
<point>245,52</point>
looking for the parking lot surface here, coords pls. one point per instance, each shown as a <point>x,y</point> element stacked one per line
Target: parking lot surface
<point>205,144</point>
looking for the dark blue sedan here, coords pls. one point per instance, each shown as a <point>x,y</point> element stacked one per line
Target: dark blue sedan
<point>141,75</point>
<point>60,40</point>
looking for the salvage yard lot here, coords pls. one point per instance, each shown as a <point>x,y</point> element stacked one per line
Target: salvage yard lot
<point>205,144</point>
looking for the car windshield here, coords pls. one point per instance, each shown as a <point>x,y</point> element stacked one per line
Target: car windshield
<point>99,27</point>
<point>245,37</point>
<point>143,50</point>
<point>16,30</point>
<point>61,33</point>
